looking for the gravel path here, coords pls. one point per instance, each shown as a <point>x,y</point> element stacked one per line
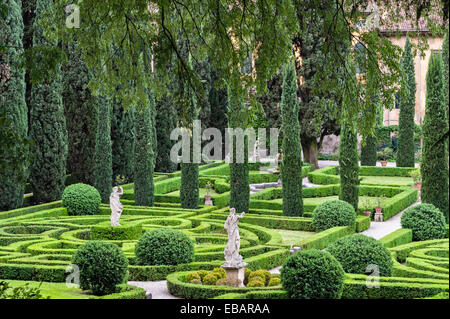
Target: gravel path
<point>158,289</point>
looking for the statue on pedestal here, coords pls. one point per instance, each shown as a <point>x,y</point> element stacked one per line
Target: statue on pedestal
<point>116,205</point>
<point>232,257</point>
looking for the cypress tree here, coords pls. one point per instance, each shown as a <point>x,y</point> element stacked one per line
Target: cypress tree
<point>48,126</point>
<point>122,138</point>
<point>81,111</point>
<point>189,191</point>
<point>405,153</point>
<point>144,155</point>
<point>166,119</point>
<point>348,149</point>
<point>291,166</point>
<point>446,79</point>
<point>239,183</point>
<point>12,99</point>
<point>103,152</point>
<point>369,150</point>
<point>434,166</point>
<point>348,165</point>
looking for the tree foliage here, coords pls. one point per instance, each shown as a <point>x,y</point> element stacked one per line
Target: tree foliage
<point>103,152</point>
<point>13,109</point>
<point>48,125</point>
<point>81,111</point>
<point>405,153</point>
<point>434,168</point>
<point>291,166</point>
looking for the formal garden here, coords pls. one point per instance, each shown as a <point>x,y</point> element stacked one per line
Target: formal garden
<point>98,201</point>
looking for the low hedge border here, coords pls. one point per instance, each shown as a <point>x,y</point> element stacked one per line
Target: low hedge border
<point>125,291</point>
<point>399,237</point>
<point>325,238</point>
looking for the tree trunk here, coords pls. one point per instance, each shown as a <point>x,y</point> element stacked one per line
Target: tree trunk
<point>310,152</point>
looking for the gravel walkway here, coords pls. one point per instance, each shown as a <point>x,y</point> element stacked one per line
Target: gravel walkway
<point>158,289</point>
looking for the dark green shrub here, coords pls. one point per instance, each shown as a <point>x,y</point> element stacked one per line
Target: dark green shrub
<point>426,222</point>
<point>312,274</point>
<point>102,266</point>
<point>164,247</point>
<point>81,199</point>
<point>356,252</point>
<point>331,214</point>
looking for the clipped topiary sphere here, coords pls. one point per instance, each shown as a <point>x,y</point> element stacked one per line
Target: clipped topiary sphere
<point>220,272</point>
<point>164,247</point>
<point>256,282</point>
<point>210,279</point>
<point>264,274</point>
<point>202,273</point>
<point>221,282</point>
<point>102,266</point>
<point>426,222</point>
<point>312,274</point>
<point>331,214</point>
<point>357,253</point>
<point>274,281</point>
<point>81,199</point>
<point>247,273</point>
<point>193,276</point>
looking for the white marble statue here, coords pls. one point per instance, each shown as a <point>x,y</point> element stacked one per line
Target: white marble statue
<point>116,205</point>
<point>256,151</point>
<point>232,257</point>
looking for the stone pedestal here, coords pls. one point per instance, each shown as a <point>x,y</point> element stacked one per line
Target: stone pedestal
<point>378,217</point>
<point>235,276</point>
<point>208,201</point>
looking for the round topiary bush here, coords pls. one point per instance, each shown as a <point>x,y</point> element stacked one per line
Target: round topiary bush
<point>256,282</point>
<point>274,281</point>
<point>357,253</point>
<point>264,274</point>
<point>425,221</point>
<point>81,199</point>
<point>193,276</point>
<point>331,214</point>
<point>210,279</point>
<point>102,266</point>
<point>312,274</point>
<point>220,272</point>
<point>164,247</point>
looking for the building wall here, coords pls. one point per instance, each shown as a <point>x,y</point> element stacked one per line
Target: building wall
<point>421,68</point>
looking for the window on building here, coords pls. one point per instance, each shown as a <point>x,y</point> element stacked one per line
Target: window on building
<point>397,101</point>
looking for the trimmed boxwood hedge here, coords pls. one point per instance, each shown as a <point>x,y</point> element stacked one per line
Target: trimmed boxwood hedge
<point>333,213</point>
<point>426,222</point>
<point>124,232</point>
<point>81,199</point>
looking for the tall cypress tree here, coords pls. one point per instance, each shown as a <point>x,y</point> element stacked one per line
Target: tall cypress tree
<point>239,179</point>
<point>48,126</point>
<point>167,120</point>
<point>81,111</point>
<point>103,152</point>
<point>369,150</point>
<point>12,98</point>
<point>434,166</point>
<point>189,191</point>
<point>446,80</point>
<point>144,154</point>
<point>405,153</point>
<point>291,166</point>
<point>348,149</point>
<point>122,138</point>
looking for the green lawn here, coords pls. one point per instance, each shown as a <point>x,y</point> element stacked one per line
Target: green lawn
<point>291,237</point>
<point>202,192</point>
<point>363,200</point>
<point>55,290</point>
<point>387,180</point>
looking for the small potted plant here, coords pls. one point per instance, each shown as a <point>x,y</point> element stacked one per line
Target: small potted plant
<point>380,201</point>
<point>208,201</point>
<point>417,178</point>
<point>366,207</point>
<point>384,155</point>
